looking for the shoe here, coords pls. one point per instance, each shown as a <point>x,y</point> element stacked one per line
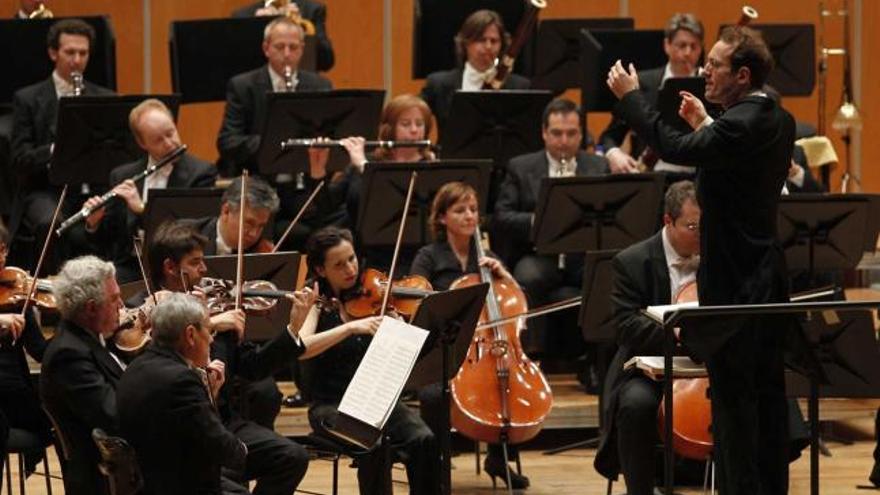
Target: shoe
<point>294,400</point>
<point>875,475</point>
<point>494,467</point>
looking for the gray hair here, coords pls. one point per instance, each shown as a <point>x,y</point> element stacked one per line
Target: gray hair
<point>81,280</point>
<point>676,196</point>
<point>259,194</point>
<point>172,315</point>
<point>267,31</point>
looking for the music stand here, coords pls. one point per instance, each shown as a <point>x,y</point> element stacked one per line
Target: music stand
<point>93,137</point>
<point>558,52</point>
<point>24,54</point>
<point>282,269</point>
<point>177,203</point>
<point>793,47</point>
<point>823,231</point>
<point>383,193</point>
<point>706,317</point>
<point>332,114</point>
<point>451,317</point>
<point>201,75</point>
<point>577,214</point>
<point>600,48</point>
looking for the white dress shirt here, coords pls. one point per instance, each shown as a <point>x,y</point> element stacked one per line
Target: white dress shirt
<point>278,85</point>
<point>559,169</point>
<point>472,79</point>
<point>681,270</point>
<point>158,180</point>
<point>62,87</point>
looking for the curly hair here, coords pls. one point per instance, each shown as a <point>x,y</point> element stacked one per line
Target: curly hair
<point>81,280</point>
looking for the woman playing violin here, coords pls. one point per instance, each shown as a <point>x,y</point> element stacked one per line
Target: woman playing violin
<point>333,262</point>
<point>455,215</point>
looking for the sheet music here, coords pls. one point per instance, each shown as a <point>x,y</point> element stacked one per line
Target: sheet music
<point>384,370</point>
<point>658,313</point>
<point>652,367</point>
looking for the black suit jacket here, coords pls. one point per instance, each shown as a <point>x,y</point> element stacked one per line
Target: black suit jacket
<point>440,86</point>
<point>243,119</point>
<point>614,135</point>
<point>313,11</point>
<point>113,238</point>
<point>641,279</point>
<point>518,195</point>
<point>78,388</point>
<point>167,416</point>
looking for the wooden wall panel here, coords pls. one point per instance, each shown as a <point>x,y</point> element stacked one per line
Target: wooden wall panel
<point>870,101</point>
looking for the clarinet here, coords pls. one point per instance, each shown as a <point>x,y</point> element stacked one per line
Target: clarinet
<point>109,195</point>
<point>77,80</point>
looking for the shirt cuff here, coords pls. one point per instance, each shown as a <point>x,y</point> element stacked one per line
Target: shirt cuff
<point>798,178</point>
<point>707,121</point>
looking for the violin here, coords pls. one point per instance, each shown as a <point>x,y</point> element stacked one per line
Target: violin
<point>406,294</point>
<point>133,333</point>
<point>14,286</point>
<point>221,295</point>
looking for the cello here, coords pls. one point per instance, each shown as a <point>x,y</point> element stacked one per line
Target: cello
<point>498,394</point>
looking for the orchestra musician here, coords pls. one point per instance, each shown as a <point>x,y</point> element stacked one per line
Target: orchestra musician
<point>479,42</point>
<point>333,261</point>
<point>19,403</point>
<point>742,160</point>
<point>314,12</point>
<point>79,375</point>
<point>110,230</point>
<point>683,45</point>
<point>455,216</point>
<point>541,276</point>
<point>33,130</point>
<point>166,404</point>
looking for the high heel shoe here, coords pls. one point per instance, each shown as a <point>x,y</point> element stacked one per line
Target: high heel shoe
<point>495,467</point>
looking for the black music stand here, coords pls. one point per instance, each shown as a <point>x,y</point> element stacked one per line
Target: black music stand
<point>177,203</point>
<point>23,50</point>
<point>577,214</point>
<point>793,47</point>
<point>383,194</point>
<point>201,75</point>
<point>451,317</point>
<point>93,137</point>
<point>284,269</point>
<point>600,48</point>
<point>558,52</point>
<point>332,114</point>
<point>706,318</point>
<point>823,231</point>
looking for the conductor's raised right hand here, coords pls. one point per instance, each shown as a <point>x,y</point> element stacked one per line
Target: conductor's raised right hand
<point>691,109</point>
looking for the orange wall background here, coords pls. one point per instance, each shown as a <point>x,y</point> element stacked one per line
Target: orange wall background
<point>356,29</point>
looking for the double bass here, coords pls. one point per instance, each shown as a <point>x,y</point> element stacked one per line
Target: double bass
<point>498,394</point>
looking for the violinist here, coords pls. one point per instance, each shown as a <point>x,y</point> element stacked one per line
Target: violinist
<point>109,231</point>
<point>455,215</point>
<point>479,42</point>
<point>277,463</point>
<point>333,262</point>
<point>18,398</point>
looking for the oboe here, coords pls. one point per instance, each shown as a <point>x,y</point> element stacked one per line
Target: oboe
<point>109,195</point>
<point>337,143</point>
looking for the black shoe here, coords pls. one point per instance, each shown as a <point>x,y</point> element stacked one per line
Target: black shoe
<point>294,400</point>
<point>875,475</point>
<point>494,467</point>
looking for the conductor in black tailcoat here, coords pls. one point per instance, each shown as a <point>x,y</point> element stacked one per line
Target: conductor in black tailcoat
<point>742,159</point>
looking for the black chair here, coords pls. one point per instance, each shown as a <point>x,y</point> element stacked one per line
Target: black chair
<point>21,442</point>
<point>118,464</point>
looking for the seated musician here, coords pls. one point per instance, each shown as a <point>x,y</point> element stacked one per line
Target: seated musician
<point>35,109</point>
<point>19,403</point>
<point>309,10</point>
<point>166,404</point>
<point>479,42</point>
<point>79,374</point>
<point>455,215</point>
<point>176,254</point>
<point>544,279</point>
<point>110,230</point>
<point>333,261</point>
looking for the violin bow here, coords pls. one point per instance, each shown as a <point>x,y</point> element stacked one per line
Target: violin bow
<point>298,216</point>
<point>33,288</point>
<point>138,252</point>
<point>409,193</point>
<point>239,261</point>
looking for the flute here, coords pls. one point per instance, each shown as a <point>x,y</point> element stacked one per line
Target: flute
<point>109,195</point>
<point>337,143</point>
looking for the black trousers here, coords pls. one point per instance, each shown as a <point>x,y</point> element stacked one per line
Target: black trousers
<point>277,464</point>
<point>749,412</point>
<point>875,472</point>
<point>411,442</point>
<point>636,429</point>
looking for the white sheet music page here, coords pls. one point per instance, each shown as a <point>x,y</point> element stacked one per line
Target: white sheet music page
<point>658,313</point>
<point>383,372</point>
